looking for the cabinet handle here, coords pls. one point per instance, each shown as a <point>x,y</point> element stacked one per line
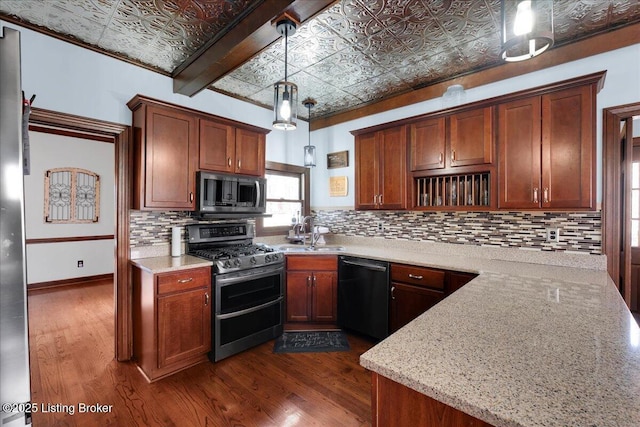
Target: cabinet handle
<point>229,162</point>
<point>535,195</point>
<point>308,281</point>
<point>440,158</point>
<point>191,196</point>
<point>413,276</point>
<point>379,199</point>
<point>453,155</point>
<point>315,280</point>
<point>206,299</point>
<point>545,195</point>
<point>190,279</point>
<point>239,163</point>
<point>393,288</point>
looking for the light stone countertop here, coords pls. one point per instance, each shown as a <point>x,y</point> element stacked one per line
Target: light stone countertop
<point>164,264</point>
<point>524,344</point>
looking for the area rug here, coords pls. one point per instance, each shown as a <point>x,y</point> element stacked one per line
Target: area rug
<point>311,342</point>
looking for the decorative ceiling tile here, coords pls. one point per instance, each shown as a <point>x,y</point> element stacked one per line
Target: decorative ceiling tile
<point>356,51</point>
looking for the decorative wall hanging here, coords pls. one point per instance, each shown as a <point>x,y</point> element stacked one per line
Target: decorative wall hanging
<point>71,195</point>
<point>338,186</point>
<point>339,159</point>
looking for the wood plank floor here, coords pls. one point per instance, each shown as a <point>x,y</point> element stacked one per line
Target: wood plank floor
<point>72,363</point>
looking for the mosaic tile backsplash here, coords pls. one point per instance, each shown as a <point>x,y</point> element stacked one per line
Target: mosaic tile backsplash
<point>579,231</point>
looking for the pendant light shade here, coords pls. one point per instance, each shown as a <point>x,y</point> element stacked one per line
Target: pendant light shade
<point>309,150</point>
<point>285,93</point>
<point>527,28</point>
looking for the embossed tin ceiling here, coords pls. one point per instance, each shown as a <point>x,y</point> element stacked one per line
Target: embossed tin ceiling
<point>353,53</point>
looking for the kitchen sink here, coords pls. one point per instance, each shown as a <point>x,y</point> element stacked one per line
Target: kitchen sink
<point>306,248</point>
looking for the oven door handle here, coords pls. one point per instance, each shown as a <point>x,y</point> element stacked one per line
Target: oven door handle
<point>232,278</point>
<point>249,310</point>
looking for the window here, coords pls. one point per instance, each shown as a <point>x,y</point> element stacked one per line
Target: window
<point>287,197</point>
<point>635,204</point>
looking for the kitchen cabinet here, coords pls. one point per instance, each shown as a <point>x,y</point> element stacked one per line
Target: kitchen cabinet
<point>171,320</point>
<point>457,279</point>
<point>166,156</point>
<point>470,140</point>
<point>413,291</point>
<point>226,148</point>
<point>381,169</point>
<point>312,291</point>
<point>547,150</point>
<point>397,405</point>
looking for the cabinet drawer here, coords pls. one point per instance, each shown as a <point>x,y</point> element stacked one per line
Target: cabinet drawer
<point>419,276</point>
<point>312,262</point>
<point>183,280</point>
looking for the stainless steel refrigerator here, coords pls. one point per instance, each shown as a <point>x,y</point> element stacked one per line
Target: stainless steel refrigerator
<point>14,334</point>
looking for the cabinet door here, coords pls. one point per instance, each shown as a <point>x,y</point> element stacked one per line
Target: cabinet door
<point>471,138</point>
<point>428,144</point>
<point>408,302</point>
<point>367,171</point>
<point>217,146</point>
<point>298,296</point>
<point>393,168</point>
<point>184,326</point>
<point>457,280</point>
<point>325,296</point>
<point>171,156</point>
<point>568,146</point>
<point>519,176</point>
<point>250,152</point>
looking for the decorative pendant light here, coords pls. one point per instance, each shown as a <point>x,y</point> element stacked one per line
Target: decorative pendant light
<point>309,150</point>
<point>285,93</point>
<point>527,28</point>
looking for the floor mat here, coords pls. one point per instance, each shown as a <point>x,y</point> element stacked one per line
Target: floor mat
<point>311,342</point>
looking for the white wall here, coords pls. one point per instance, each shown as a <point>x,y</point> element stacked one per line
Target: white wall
<point>57,261</point>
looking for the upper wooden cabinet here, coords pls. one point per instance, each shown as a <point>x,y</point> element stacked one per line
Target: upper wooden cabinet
<point>462,139</point>
<point>225,148</point>
<point>381,169</point>
<point>547,150</point>
<point>166,156</point>
<point>171,143</point>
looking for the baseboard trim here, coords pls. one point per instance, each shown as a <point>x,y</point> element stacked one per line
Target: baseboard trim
<point>70,282</point>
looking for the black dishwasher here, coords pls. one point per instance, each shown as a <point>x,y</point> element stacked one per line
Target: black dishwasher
<point>363,296</point>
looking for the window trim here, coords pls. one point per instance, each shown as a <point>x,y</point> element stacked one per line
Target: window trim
<point>286,169</point>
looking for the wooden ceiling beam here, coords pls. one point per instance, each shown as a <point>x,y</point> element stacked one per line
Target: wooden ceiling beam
<point>255,32</point>
<point>598,44</point>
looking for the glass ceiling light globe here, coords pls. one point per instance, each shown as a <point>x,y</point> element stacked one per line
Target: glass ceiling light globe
<point>527,28</point>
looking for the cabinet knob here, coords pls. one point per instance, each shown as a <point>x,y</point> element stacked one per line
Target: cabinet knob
<point>545,195</point>
<point>535,195</point>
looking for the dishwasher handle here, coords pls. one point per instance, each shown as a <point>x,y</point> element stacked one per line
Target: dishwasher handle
<point>365,265</point>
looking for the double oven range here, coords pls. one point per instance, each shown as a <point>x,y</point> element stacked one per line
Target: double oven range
<point>248,283</point>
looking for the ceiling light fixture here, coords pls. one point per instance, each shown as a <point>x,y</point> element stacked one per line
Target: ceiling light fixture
<point>285,93</point>
<point>527,28</point>
<point>309,150</point>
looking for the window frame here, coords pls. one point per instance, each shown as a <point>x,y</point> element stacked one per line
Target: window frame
<point>288,170</point>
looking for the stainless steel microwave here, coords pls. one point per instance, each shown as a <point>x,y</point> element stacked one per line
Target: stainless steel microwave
<point>230,194</point>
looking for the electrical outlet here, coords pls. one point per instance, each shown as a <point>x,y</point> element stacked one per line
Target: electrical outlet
<point>380,226</point>
<point>553,234</point>
<point>80,263</point>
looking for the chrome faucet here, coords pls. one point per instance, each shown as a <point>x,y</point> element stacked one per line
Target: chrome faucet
<point>312,232</point>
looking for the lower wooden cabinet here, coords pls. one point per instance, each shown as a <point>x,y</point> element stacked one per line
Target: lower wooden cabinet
<point>312,288</point>
<point>457,279</point>
<point>394,404</point>
<point>414,290</point>
<point>171,320</point>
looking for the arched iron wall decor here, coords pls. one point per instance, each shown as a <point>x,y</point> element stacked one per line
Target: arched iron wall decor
<point>71,195</point>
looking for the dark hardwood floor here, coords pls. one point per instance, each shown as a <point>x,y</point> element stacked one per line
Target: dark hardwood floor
<point>72,364</point>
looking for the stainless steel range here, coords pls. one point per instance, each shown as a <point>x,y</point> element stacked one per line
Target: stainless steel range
<point>248,282</point>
